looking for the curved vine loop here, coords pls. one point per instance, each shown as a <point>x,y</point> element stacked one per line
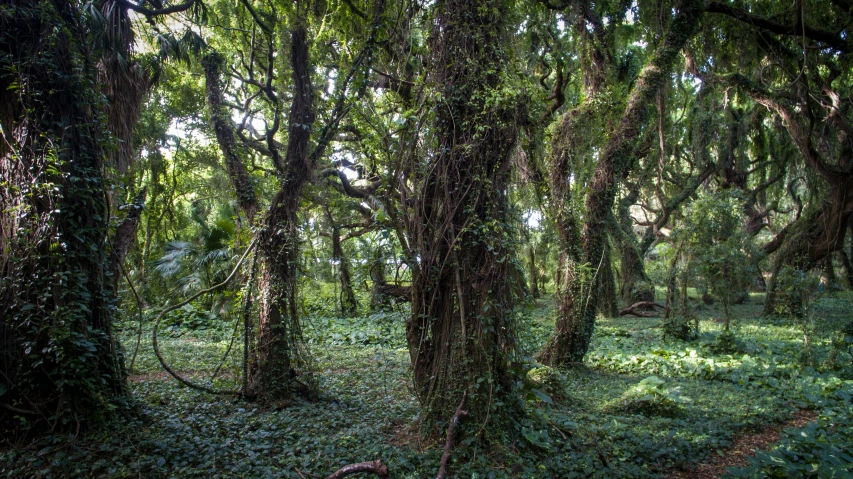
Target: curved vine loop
<point>165,311</point>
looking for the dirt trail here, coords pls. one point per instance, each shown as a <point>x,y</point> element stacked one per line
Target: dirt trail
<point>744,447</point>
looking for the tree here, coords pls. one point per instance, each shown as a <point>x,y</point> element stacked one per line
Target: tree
<point>578,301</point>
<point>60,361</point>
<point>461,335</point>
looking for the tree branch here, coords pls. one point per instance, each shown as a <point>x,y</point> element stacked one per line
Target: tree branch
<point>157,11</point>
<point>831,39</point>
<point>376,467</point>
<point>448,444</point>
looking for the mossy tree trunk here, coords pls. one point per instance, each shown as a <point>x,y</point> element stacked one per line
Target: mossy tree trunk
<point>636,285</point>
<point>576,319</point>
<point>461,334</point>
<point>609,306</point>
<point>60,364</point>
<point>280,349</point>
<point>349,305</point>
<point>534,272</point>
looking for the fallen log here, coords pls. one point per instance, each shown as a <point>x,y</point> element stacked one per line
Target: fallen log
<point>634,309</point>
<point>376,467</point>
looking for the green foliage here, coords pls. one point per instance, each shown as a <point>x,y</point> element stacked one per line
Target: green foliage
<point>651,397</point>
<point>796,290</point>
<point>821,449</point>
<point>719,249</point>
<point>547,380</point>
<point>572,426</point>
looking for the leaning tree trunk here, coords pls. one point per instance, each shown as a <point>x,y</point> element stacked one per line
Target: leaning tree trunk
<point>814,235</point>
<point>575,324</point>
<point>223,127</point>
<point>461,334</point>
<point>60,363</point>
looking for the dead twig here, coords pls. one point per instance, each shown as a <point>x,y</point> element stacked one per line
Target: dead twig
<point>448,445</point>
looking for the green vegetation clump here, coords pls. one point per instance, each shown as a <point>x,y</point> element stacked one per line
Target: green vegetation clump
<point>548,380</point>
<point>651,397</point>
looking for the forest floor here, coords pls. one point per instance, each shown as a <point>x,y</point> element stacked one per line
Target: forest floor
<point>577,423</point>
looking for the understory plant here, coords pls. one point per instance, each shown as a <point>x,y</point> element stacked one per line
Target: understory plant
<point>651,397</point>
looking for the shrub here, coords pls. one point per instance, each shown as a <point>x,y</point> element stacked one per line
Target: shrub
<point>651,397</point>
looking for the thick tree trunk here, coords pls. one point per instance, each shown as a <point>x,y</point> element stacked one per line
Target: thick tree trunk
<point>636,286</point>
<point>848,268</point>
<point>609,307</point>
<point>816,234</point>
<point>575,325</point>
<point>124,237</point>
<point>377,277</point>
<point>461,333</point>
<point>59,359</point>
<point>280,347</point>
<point>349,305</point>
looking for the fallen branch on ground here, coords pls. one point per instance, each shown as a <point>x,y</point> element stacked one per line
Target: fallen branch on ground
<point>376,467</point>
<point>632,310</point>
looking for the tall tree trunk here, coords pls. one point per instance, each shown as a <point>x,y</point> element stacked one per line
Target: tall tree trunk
<point>636,285</point>
<point>349,305</point>
<point>461,334</point>
<point>280,345</point>
<point>534,276</point>
<point>575,323</point>
<point>377,276</point>
<point>59,359</point>
<point>124,237</point>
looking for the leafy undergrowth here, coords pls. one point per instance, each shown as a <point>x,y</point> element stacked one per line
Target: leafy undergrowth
<point>605,420</point>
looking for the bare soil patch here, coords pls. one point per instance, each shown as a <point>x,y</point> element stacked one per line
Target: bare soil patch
<point>744,447</point>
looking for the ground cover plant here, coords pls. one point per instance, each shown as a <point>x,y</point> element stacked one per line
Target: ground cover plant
<point>417,238</point>
<point>588,422</point>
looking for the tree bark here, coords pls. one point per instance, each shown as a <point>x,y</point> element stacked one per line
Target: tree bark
<point>124,237</point>
<point>213,63</point>
<point>59,358</point>
<point>280,348</point>
<point>817,233</point>
<point>636,286</point>
<point>534,277</point>
<point>575,325</point>
<point>377,277</point>
<point>460,334</point>
<point>349,305</point>
<point>609,307</point>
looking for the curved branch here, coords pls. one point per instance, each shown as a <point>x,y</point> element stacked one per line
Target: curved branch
<point>376,467</point>
<point>163,313</point>
<point>157,11</point>
<point>831,39</point>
